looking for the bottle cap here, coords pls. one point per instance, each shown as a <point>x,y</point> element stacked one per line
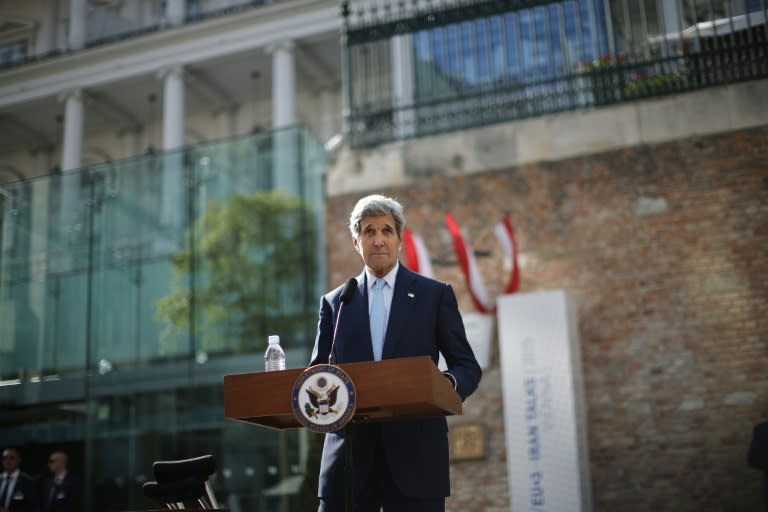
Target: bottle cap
<point>274,338</point>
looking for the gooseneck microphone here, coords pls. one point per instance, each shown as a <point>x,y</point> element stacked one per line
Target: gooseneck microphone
<point>347,292</point>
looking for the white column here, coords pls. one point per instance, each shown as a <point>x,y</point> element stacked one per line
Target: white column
<point>671,25</point>
<point>46,35</point>
<point>77,11</point>
<point>175,11</point>
<point>285,170</point>
<point>283,84</point>
<point>133,12</point>
<point>72,151</point>
<point>173,107</point>
<point>173,140</point>
<point>403,85</point>
<point>70,218</point>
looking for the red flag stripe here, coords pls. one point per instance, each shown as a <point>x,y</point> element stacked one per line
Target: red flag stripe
<point>469,266</point>
<point>409,250</point>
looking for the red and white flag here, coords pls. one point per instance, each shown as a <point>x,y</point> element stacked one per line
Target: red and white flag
<point>416,255</point>
<point>506,237</point>
<point>466,257</point>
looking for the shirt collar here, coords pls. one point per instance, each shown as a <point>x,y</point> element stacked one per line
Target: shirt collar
<point>389,278</point>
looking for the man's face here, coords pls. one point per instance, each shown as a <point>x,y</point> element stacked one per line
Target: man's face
<point>378,243</point>
<point>56,462</point>
<point>11,461</point>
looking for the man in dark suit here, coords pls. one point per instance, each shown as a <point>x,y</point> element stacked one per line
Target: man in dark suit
<point>401,465</point>
<point>758,454</point>
<point>61,491</point>
<point>18,491</point>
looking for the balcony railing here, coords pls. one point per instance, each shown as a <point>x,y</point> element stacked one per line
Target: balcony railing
<point>106,25</point>
<point>434,66</point>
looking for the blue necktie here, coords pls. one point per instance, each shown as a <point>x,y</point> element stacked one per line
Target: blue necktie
<point>378,318</point>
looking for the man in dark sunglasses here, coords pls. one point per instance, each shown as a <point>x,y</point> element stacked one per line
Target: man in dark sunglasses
<point>18,492</point>
<point>61,490</point>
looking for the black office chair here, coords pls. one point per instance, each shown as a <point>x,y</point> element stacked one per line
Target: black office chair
<point>183,483</point>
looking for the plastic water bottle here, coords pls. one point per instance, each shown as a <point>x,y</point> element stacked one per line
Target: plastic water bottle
<point>274,357</point>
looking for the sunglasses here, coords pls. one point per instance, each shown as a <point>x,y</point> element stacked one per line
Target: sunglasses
<point>11,457</point>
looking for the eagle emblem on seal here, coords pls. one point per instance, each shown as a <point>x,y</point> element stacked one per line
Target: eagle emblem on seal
<point>322,401</point>
<point>323,398</point>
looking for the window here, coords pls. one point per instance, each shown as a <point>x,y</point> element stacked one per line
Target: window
<point>523,46</point>
<point>13,53</point>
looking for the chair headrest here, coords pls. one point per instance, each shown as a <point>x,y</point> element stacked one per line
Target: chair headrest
<point>171,470</point>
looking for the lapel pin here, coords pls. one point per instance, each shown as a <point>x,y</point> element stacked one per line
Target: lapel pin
<point>410,295</point>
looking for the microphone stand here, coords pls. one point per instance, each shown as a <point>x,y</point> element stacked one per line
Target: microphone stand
<point>349,465</point>
<point>349,470</point>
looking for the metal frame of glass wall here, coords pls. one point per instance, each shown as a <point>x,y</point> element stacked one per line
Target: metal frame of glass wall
<point>128,289</point>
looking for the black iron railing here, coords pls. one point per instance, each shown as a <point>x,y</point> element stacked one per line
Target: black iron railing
<point>430,67</point>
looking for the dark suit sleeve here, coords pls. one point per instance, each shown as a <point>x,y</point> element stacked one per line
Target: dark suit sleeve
<point>453,344</point>
<point>758,447</point>
<point>324,335</point>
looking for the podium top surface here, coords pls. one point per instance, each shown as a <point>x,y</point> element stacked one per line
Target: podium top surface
<point>391,389</point>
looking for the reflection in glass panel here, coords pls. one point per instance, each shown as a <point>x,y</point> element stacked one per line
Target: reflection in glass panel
<point>127,291</point>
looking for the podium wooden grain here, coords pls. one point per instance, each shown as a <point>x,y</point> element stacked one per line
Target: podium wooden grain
<point>411,387</point>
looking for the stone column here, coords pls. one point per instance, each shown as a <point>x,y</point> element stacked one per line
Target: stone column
<point>285,170</point>
<point>173,208</point>
<point>77,35</point>
<point>72,151</point>
<point>173,107</point>
<point>672,25</point>
<point>175,11</point>
<point>403,85</point>
<point>71,216</point>
<point>46,34</point>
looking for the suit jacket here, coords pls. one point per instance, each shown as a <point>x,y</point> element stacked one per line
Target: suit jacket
<point>64,497</point>
<point>424,319</point>
<point>24,497</point>
<point>758,447</point>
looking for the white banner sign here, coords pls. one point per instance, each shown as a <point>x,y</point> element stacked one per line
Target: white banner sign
<point>544,411</point>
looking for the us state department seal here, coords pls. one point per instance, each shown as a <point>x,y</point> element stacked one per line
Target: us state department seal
<point>323,398</point>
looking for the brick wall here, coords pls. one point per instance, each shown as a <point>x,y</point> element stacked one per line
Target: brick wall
<point>665,249</point>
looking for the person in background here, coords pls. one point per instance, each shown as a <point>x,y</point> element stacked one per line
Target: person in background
<point>757,456</point>
<point>61,491</point>
<point>400,465</point>
<point>18,491</point>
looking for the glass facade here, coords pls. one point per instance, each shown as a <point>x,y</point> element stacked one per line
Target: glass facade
<point>127,291</point>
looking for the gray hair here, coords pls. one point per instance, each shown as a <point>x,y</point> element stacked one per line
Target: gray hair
<point>373,206</point>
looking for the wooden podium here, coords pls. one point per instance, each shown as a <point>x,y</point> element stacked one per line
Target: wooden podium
<point>409,387</point>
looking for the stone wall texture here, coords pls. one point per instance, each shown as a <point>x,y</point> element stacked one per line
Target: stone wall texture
<point>664,247</point>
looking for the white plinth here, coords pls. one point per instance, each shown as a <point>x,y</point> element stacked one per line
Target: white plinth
<point>544,411</point>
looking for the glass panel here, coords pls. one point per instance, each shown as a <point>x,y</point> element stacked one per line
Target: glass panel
<point>127,291</point>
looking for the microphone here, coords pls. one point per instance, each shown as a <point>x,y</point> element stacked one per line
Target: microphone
<point>347,292</point>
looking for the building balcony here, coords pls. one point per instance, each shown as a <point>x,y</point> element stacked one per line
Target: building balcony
<point>434,67</point>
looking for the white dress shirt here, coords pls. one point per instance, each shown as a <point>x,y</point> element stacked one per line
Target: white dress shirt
<point>10,482</point>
